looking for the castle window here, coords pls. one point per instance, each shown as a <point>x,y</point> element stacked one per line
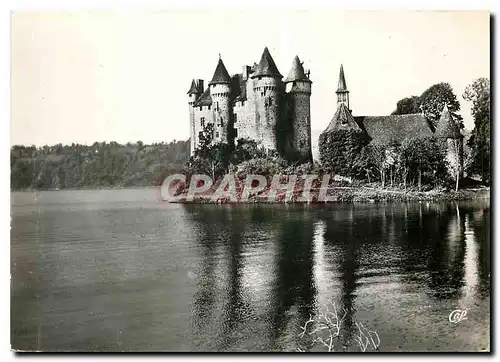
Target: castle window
<point>201,108</point>
<point>202,122</point>
<point>221,122</point>
<point>235,117</point>
<point>216,134</point>
<point>235,132</point>
<point>242,103</point>
<point>208,107</point>
<point>270,102</point>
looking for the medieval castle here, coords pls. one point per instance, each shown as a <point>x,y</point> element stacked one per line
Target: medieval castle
<point>257,105</point>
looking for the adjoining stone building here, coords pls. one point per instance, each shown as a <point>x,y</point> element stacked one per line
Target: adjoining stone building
<point>255,104</point>
<point>384,130</point>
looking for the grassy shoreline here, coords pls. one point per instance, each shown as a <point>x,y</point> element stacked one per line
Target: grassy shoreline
<point>361,194</point>
<point>349,194</point>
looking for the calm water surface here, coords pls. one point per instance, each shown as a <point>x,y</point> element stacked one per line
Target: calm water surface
<point>117,270</point>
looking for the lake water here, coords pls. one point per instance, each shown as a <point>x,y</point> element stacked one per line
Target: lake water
<point>117,270</point>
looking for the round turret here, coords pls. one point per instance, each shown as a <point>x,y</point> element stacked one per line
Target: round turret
<point>300,92</point>
<point>267,86</point>
<point>194,93</point>
<point>220,91</point>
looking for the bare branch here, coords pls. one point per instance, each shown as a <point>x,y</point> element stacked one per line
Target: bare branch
<point>330,317</point>
<point>304,328</point>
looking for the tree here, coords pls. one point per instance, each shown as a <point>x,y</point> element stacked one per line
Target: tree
<point>433,100</point>
<point>205,137</point>
<point>408,105</point>
<point>377,156</point>
<point>422,158</point>
<point>479,94</point>
<point>431,103</point>
<point>455,165</point>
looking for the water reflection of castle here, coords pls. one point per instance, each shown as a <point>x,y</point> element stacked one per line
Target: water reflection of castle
<point>265,269</point>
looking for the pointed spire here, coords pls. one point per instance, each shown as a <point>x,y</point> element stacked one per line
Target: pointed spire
<point>221,76</point>
<point>266,67</point>
<point>341,87</point>
<point>446,126</point>
<point>297,72</point>
<point>193,89</point>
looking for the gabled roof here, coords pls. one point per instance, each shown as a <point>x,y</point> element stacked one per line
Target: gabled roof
<point>394,128</point>
<point>446,126</point>
<point>297,72</point>
<point>342,119</point>
<point>193,88</point>
<point>341,87</point>
<point>221,76</point>
<point>266,67</point>
<point>204,100</point>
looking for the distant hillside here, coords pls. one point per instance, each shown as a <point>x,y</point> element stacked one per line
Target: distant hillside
<point>99,165</point>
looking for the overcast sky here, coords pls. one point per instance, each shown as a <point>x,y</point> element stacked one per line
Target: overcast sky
<point>116,76</point>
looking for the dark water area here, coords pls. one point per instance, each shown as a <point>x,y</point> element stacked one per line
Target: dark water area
<point>117,270</point>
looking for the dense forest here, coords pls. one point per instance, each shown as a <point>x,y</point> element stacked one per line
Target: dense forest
<point>99,165</point>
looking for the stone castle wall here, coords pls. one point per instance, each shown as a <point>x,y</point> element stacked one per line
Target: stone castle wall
<point>266,110</point>
<point>301,108</point>
<point>200,113</point>
<point>221,110</point>
<point>256,117</point>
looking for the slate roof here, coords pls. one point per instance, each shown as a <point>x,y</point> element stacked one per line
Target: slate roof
<point>297,72</point>
<point>266,66</point>
<point>341,86</point>
<point>446,126</point>
<point>342,119</point>
<point>386,129</point>
<point>193,88</point>
<point>204,100</point>
<point>221,76</point>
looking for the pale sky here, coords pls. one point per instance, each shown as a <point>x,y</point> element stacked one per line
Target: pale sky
<point>123,76</point>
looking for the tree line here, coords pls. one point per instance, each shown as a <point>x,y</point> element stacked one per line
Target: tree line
<point>101,164</point>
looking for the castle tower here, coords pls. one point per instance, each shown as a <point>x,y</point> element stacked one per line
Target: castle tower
<point>450,138</point>
<point>342,92</point>
<point>301,109</point>
<point>193,93</point>
<point>220,92</point>
<point>267,86</point>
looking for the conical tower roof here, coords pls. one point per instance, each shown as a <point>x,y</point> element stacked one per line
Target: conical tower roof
<point>297,72</point>
<point>446,126</point>
<point>341,87</point>
<point>342,119</point>
<point>221,76</point>
<point>193,89</point>
<point>266,67</point>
